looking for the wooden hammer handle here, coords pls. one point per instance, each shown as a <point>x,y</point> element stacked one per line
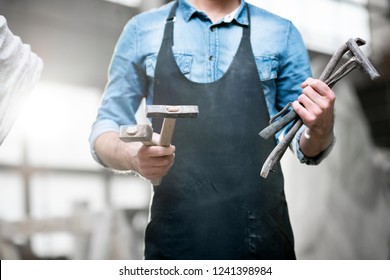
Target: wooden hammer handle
<point>167,132</point>
<point>165,139</point>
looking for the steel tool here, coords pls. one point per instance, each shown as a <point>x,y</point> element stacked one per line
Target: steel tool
<point>330,76</point>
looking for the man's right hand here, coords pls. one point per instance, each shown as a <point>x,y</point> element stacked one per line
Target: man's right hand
<point>152,162</point>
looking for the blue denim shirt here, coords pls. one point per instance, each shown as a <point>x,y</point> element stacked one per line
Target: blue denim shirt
<point>203,51</point>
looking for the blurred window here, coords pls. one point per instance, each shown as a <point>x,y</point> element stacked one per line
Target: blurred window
<point>46,168</point>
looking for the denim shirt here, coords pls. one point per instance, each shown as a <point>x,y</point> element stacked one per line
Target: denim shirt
<point>203,51</point>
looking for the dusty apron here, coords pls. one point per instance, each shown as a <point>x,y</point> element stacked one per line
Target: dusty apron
<point>213,204</point>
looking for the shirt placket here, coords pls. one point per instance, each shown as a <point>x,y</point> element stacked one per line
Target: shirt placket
<point>212,53</point>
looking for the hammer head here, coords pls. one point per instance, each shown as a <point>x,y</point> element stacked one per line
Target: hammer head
<point>136,133</point>
<point>172,112</point>
<point>362,60</point>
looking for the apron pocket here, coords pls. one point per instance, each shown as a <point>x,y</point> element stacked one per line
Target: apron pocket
<point>267,67</point>
<point>267,239</point>
<point>183,61</point>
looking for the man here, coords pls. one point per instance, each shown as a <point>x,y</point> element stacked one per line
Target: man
<point>239,64</point>
<point>20,70</point>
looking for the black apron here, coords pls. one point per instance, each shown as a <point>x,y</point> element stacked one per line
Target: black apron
<point>213,204</point>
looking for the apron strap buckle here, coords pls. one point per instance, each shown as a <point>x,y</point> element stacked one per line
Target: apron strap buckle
<point>171,19</point>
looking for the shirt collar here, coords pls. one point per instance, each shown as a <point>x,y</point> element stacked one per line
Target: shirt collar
<point>188,11</point>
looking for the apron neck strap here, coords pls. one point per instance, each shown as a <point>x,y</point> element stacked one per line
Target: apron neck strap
<point>168,33</point>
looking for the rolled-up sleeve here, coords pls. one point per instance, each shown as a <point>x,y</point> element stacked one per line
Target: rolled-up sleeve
<point>124,90</point>
<point>309,160</point>
<point>295,69</point>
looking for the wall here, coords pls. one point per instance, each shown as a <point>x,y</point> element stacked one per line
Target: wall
<point>340,209</point>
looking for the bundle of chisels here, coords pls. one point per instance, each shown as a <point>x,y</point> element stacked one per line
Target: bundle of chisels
<point>330,76</point>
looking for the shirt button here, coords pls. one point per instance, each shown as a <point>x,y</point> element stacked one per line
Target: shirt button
<point>211,57</point>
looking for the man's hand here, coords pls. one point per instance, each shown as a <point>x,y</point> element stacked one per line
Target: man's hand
<point>154,162</point>
<point>316,108</point>
<point>151,162</point>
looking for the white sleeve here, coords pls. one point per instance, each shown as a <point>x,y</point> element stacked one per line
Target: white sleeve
<point>20,70</point>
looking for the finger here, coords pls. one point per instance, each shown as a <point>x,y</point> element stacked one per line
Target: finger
<point>153,176</point>
<point>299,109</point>
<point>309,105</point>
<point>307,116</point>
<point>157,151</point>
<point>161,161</point>
<point>306,82</point>
<point>320,87</point>
<point>315,97</point>
<point>156,168</point>
<point>319,93</point>
<point>155,172</point>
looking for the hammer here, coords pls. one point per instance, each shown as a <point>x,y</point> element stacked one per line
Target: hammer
<point>137,133</point>
<point>144,133</point>
<point>358,60</point>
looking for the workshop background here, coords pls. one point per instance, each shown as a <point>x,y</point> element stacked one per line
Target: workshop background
<point>57,203</point>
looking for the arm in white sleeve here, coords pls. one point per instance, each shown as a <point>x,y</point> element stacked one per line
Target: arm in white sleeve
<point>20,70</point>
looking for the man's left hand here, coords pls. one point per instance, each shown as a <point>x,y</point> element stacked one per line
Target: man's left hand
<point>316,108</point>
